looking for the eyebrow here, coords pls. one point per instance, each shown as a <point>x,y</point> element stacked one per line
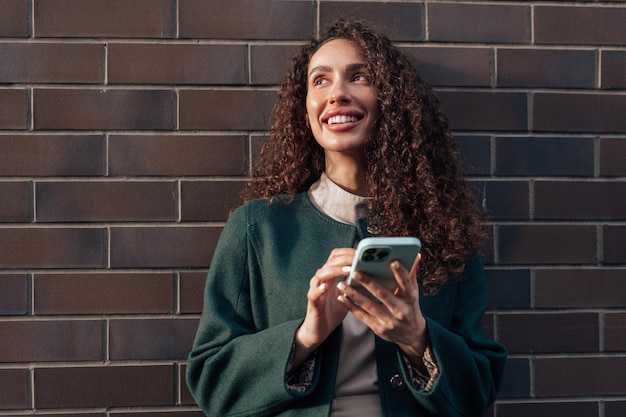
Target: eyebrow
<point>326,68</point>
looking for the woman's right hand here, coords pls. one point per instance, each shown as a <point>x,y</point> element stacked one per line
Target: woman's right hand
<point>324,311</point>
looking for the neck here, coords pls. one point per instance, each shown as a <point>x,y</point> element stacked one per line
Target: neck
<point>349,175</point>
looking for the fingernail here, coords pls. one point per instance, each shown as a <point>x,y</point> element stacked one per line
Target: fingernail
<point>341,286</point>
<point>345,269</point>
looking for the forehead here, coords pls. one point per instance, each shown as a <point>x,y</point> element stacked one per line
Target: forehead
<point>336,52</point>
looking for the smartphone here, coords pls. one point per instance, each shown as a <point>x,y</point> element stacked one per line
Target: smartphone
<point>374,254</point>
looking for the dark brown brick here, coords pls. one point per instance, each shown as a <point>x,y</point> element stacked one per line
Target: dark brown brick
<point>457,22</point>
<point>489,253</point>
<point>14,105</point>
<point>549,333</point>
<point>614,244</point>
<point>507,200</point>
<point>103,109</point>
<point>13,294</point>
<point>185,395</point>
<point>177,155</point>
<point>14,19</point>
<point>246,19</point>
<point>225,109</point>
<point>548,68</point>
<point>163,413</point>
<point>105,201</point>
<point>476,152</point>
<point>613,69</point>
<point>549,409</point>
<point>18,207</point>
<point>478,188</point>
<point>104,386</point>
<point>488,324</point>
<point>478,110</point>
<point>580,288</point>
<point>578,113</point>
<point>108,18</point>
<point>40,63</point>
<point>176,64</point>
<point>516,378</point>
<point>46,341</point>
<point>53,414</point>
<point>52,248</point>
<point>613,156</point>
<point>192,291</point>
<point>15,388</point>
<point>508,288</point>
<point>547,244</point>
<point>452,66</point>
<point>160,247</point>
<point>595,25</point>
<point>578,200</point>
<point>256,143</point>
<point>46,155</point>
<point>578,377</point>
<point>269,63</point>
<point>400,21</point>
<point>103,293</point>
<point>614,408</point>
<point>544,156</point>
<point>151,339</point>
<point>614,331</point>
<point>209,200</point>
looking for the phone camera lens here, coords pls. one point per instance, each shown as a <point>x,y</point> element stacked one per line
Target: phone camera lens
<point>369,255</point>
<point>382,254</point>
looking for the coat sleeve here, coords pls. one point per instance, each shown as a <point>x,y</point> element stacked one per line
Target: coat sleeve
<point>234,368</point>
<point>470,364</point>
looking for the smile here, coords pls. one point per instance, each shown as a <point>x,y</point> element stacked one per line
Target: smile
<point>342,119</point>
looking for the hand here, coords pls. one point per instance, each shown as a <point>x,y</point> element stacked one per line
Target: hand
<point>399,318</point>
<point>324,311</point>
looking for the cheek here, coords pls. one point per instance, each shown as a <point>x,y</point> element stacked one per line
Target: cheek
<point>312,111</point>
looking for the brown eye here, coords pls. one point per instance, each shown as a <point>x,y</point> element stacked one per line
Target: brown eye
<point>361,77</point>
<point>318,81</point>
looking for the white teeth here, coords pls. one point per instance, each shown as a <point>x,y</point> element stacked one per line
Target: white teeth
<point>341,119</point>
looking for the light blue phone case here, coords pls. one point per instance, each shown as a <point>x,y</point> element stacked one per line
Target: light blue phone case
<point>374,254</point>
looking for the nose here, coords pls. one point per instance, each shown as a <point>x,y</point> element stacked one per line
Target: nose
<point>339,93</point>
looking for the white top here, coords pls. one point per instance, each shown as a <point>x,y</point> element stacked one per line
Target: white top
<point>356,387</point>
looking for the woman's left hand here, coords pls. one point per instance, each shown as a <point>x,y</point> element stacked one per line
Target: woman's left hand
<point>398,317</point>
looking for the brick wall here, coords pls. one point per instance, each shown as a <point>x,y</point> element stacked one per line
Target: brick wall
<point>128,126</point>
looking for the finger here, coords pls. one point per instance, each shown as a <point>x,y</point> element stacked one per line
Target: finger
<point>406,280</point>
<point>342,252</point>
<point>401,275</point>
<point>380,294</point>
<point>354,301</point>
<point>342,255</point>
<point>416,264</point>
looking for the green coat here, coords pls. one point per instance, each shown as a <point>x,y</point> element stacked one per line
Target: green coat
<point>255,299</point>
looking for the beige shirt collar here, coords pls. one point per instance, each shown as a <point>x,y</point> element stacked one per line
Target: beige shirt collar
<point>335,202</point>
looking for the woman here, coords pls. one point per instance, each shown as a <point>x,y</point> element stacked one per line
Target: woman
<point>281,333</point>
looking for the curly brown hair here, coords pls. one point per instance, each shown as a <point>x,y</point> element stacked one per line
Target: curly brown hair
<point>414,173</point>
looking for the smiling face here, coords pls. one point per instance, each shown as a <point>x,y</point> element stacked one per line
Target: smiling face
<point>341,102</point>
